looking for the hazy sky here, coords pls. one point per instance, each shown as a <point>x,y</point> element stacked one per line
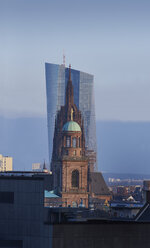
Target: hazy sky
<point>107,38</point>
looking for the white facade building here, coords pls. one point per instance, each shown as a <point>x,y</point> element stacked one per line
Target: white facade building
<point>6,163</point>
<point>37,167</point>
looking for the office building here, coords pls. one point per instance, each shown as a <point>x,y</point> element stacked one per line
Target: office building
<point>6,163</point>
<point>83,83</point>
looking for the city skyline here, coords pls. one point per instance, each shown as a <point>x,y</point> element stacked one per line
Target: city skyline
<point>110,40</point>
<point>75,123</point>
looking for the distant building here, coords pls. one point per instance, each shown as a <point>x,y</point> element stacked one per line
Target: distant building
<point>69,163</point>
<point>83,83</point>
<point>37,167</point>
<point>122,191</point>
<point>6,163</point>
<point>72,167</point>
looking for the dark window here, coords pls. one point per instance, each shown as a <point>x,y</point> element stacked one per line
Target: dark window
<point>68,141</point>
<point>74,142</point>
<point>75,178</point>
<point>79,142</point>
<point>6,197</point>
<point>11,243</point>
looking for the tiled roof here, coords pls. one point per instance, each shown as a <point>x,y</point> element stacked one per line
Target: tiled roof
<point>98,185</point>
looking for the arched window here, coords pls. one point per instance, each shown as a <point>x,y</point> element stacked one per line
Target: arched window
<point>74,142</point>
<point>68,141</point>
<point>75,179</point>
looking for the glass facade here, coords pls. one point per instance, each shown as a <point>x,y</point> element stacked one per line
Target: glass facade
<point>83,83</point>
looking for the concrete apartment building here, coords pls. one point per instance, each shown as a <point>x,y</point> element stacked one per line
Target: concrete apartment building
<point>6,163</point>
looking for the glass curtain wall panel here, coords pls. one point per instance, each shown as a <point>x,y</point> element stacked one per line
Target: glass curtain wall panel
<point>83,84</point>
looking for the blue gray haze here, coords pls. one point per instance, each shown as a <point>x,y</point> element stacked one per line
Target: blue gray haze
<point>123,147</point>
<point>109,39</point>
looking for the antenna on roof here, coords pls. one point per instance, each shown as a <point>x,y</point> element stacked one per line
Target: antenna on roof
<point>64,58</point>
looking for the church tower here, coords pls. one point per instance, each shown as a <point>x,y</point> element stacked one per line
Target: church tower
<point>69,163</point>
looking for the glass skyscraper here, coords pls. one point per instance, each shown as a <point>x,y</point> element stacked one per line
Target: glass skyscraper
<point>83,83</point>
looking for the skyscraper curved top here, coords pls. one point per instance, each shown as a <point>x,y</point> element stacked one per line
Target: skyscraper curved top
<point>83,83</point>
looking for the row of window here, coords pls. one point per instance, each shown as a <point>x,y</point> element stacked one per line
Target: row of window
<point>74,141</point>
<point>66,152</point>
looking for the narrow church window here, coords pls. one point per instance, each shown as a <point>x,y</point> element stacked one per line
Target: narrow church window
<point>74,153</point>
<point>74,142</point>
<point>68,141</point>
<point>79,142</point>
<point>75,179</point>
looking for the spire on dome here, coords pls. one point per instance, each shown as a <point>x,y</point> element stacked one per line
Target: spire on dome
<point>69,90</point>
<point>69,72</point>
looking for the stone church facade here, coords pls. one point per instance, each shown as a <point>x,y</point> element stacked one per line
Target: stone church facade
<point>70,163</point>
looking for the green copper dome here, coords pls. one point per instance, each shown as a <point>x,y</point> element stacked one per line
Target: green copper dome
<point>71,126</point>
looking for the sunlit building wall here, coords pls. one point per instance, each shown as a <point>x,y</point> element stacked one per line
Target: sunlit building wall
<point>83,83</point>
<point>37,167</point>
<point>6,163</point>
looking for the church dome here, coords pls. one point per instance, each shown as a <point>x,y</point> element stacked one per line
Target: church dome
<point>71,126</point>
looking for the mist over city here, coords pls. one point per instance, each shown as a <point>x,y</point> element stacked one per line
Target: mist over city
<point>123,147</point>
<point>75,123</point>
<point>110,40</point>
